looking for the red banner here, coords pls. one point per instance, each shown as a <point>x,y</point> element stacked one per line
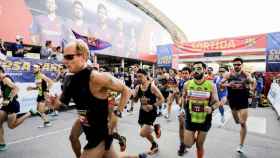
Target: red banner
<point>238,43</point>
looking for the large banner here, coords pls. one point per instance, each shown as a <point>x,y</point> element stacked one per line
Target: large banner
<point>21,70</point>
<point>218,45</point>
<point>131,32</point>
<point>273,52</point>
<point>164,56</point>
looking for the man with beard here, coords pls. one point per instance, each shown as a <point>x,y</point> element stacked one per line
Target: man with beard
<point>238,93</point>
<point>150,98</point>
<point>185,74</point>
<point>77,23</point>
<point>47,27</point>
<point>200,100</point>
<point>43,84</point>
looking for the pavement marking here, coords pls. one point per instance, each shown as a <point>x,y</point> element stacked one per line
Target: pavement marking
<point>256,124</point>
<point>38,136</point>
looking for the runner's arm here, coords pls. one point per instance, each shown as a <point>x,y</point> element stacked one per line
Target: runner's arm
<point>184,94</point>
<point>48,80</point>
<point>214,102</point>
<point>111,83</point>
<point>157,93</point>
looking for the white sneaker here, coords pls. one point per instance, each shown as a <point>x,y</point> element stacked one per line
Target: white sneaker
<point>223,119</point>
<point>45,124</point>
<point>240,149</point>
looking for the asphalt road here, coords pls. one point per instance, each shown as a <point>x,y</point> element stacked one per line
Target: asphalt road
<point>263,139</point>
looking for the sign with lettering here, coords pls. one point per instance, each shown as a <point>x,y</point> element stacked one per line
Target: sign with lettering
<point>273,52</point>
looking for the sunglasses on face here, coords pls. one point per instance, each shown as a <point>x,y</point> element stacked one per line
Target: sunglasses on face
<point>197,69</point>
<point>70,56</point>
<point>221,71</point>
<point>236,64</point>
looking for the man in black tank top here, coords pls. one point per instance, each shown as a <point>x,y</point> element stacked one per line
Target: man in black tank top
<point>238,93</point>
<point>9,106</point>
<point>89,91</point>
<point>150,97</point>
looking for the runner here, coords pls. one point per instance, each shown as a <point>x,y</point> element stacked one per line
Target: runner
<point>89,91</point>
<point>222,91</point>
<point>201,100</point>
<point>150,97</point>
<point>173,92</point>
<point>43,84</point>
<point>161,83</point>
<point>185,74</point>
<point>10,106</point>
<point>135,68</point>
<point>76,130</point>
<point>238,93</point>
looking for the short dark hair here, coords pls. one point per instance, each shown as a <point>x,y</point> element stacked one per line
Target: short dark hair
<point>174,70</point>
<point>200,62</point>
<point>57,48</point>
<point>78,3</point>
<point>210,68</point>
<point>238,59</point>
<point>224,67</point>
<point>2,69</point>
<point>48,43</point>
<point>187,69</point>
<point>141,71</point>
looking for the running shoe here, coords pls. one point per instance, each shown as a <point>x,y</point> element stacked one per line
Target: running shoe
<point>157,130</point>
<point>3,147</point>
<point>240,149</point>
<point>154,147</point>
<point>122,142</point>
<point>182,149</point>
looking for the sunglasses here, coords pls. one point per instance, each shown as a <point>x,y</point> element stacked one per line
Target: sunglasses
<point>236,64</point>
<point>196,69</point>
<point>221,71</point>
<point>70,56</point>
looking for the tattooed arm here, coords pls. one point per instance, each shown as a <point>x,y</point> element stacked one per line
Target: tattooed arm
<point>108,82</point>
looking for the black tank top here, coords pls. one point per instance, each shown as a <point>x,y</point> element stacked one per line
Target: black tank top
<point>240,86</point>
<point>147,94</point>
<point>95,110</point>
<point>6,90</point>
<point>238,81</point>
<point>172,82</point>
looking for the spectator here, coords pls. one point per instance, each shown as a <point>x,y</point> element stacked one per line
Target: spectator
<point>18,48</point>
<point>46,51</point>
<point>59,55</point>
<point>3,49</point>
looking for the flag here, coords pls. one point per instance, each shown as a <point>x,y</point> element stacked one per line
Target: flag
<point>92,42</point>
